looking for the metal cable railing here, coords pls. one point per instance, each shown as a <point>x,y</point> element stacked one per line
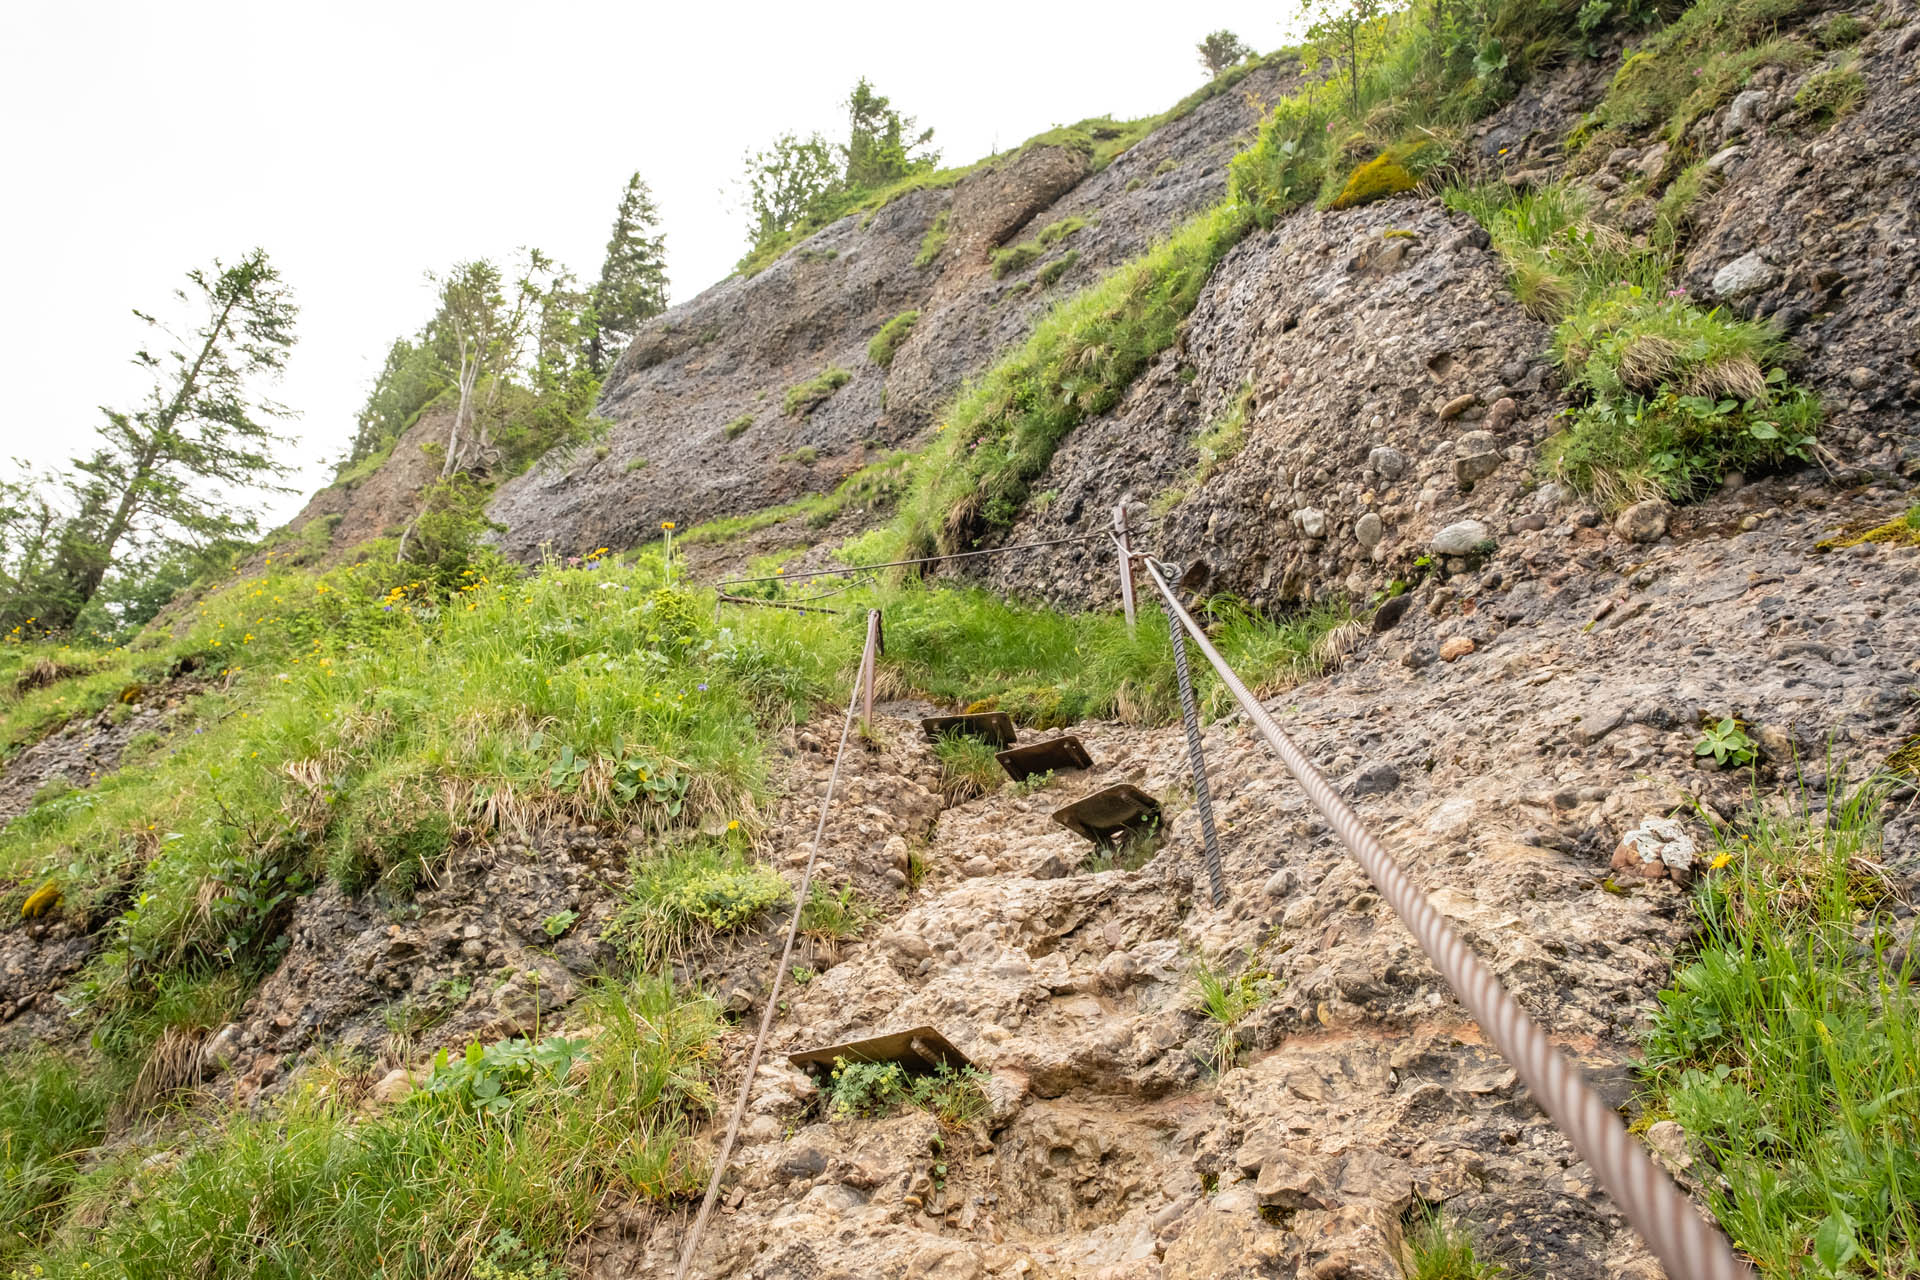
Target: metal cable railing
<point>1686,1244</point>
<point>862,695</point>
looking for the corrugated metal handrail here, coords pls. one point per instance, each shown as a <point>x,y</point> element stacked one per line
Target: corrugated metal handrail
<point>1686,1244</point>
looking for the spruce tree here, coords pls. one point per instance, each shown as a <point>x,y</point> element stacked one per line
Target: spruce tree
<point>163,472</point>
<point>633,278</point>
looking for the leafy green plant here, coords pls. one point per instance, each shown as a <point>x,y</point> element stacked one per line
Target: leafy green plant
<point>1035,782</point>
<point>872,1089</point>
<point>737,427</point>
<point>803,398</point>
<point>488,1079</point>
<point>557,924</point>
<point>891,335</point>
<point>1727,743</point>
<point>507,1257</point>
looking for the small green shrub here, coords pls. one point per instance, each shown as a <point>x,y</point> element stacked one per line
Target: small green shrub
<point>1840,30</point>
<point>891,335</point>
<point>635,464</point>
<point>806,455</point>
<point>933,242</point>
<point>807,396</point>
<point>688,892</point>
<point>1830,95</point>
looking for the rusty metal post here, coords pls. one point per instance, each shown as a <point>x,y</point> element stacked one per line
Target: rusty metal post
<point>1126,560</point>
<point>876,645</point>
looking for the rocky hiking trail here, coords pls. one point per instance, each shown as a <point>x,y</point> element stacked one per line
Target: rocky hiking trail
<point>1563,716</point>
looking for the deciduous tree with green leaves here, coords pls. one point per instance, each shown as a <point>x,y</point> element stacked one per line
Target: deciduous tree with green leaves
<point>165,474</point>
<point>1221,49</point>
<point>1350,34</point>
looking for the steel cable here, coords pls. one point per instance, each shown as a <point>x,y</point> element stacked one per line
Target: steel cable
<point>861,683</point>
<point>1686,1244</point>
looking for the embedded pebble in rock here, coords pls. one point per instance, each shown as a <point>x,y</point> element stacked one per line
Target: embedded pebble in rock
<point>1476,456</point>
<point>1368,530</point>
<point>1748,273</point>
<point>1456,648</point>
<point>1643,521</point>
<point>1462,538</point>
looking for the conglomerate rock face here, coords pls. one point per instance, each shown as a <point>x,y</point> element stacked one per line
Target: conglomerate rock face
<point>700,396</point>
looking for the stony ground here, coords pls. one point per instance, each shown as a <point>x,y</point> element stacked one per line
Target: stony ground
<point>1504,776</point>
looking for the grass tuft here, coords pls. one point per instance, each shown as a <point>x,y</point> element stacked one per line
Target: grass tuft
<point>1788,1046</point>
<point>803,398</point>
<point>684,894</point>
<point>891,335</point>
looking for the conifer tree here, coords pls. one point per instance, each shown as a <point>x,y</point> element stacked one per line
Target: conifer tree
<point>164,473</point>
<point>633,278</point>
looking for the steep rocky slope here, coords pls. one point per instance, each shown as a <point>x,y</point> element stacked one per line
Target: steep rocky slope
<point>1530,690</point>
<point>697,402</point>
<point>1505,777</point>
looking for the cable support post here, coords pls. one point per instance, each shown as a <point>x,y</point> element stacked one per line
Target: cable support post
<point>1689,1248</point>
<point>861,683</point>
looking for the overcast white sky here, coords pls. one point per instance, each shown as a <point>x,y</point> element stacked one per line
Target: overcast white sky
<point>365,144</point>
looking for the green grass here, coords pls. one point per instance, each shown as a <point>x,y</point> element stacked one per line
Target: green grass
<point>968,767</point>
<point>891,335</point>
<point>424,1188</point>
<point>1692,66</point>
<point>1438,1249</point>
<point>1049,275</point>
<point>1671,397</point>
<point>686,893</point>
<point>1830,95</point>
<point>868,1090</point>
<point>1015,257</point>
<point>803,398</point>
<point>875,486</point>
<point>53,1109</point>
<point>833,916</point>
<point>1788,1046</point>
<point>1001,433</point>
<point>934,241</point>
<point>1224,1000</point>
